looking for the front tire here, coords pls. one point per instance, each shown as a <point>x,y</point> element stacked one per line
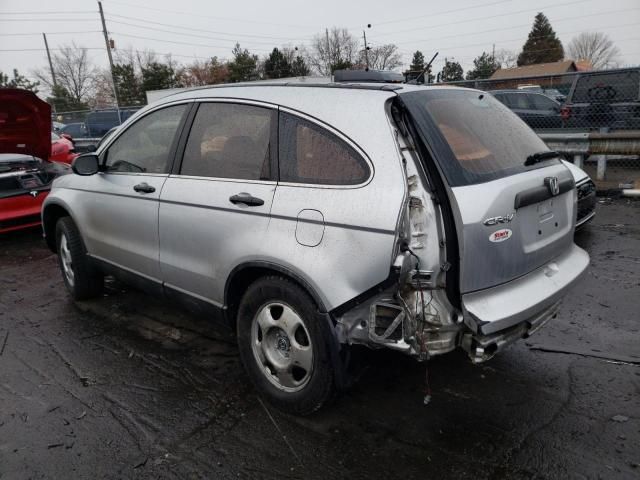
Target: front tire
<point>284,344</point>
<point>82,279</point>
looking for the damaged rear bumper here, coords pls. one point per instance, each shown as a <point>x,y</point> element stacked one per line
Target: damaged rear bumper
<point>482,347</point>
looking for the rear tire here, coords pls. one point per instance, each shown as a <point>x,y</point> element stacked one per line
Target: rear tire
<point>82,279</point>
<point>285,345</point>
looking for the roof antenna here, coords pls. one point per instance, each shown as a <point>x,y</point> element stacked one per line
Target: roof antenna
<point>426,69</point>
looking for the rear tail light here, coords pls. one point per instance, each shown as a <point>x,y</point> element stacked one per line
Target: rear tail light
<point>565,113</point>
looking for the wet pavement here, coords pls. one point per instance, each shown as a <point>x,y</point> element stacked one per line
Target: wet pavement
<point>128,386</point>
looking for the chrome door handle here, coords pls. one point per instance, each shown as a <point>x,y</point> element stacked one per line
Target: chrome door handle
<point>247,199</point>
<point>144,187</point>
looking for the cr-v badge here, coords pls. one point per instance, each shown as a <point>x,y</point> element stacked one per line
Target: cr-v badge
<point>496,220</point>
<point>500,235</point>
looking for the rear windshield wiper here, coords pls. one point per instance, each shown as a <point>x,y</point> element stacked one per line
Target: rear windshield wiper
<point>540,156</point>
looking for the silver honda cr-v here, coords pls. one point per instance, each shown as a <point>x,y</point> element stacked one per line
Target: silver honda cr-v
<point>313,217</point>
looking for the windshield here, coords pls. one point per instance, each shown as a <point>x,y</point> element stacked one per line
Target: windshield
<point>476,138</point>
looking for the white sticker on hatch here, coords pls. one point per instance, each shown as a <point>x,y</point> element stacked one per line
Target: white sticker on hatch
<point>500,235</point>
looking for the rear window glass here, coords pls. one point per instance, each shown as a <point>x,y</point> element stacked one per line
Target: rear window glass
<point>311,154</point>
<point>475,137</point>
<point>607,87</point>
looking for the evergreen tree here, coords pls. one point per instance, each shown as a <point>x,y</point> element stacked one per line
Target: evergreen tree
<point>62,101</point>
<point>417,63</point>
<point>128,85</point>
<point>340,65</point>
<point>299,67</point>
<point>451,72</point>
<point>276,65</point>
<point>243,67</point>
<point>18,81</point>
<point>157,76</point>
<point>542,46</point>
<point>484,66</point>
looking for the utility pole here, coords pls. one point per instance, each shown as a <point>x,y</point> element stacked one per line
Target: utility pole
<point>366,47</point>
<point>326,31</point>
<point>53,73</point>
<point>108,45</point>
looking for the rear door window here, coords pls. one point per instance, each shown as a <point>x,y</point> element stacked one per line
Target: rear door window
<point>519,101</point>
<point>540,102</point>
<point>230,141</point>
<point>311,154</point>
<point>476,138</point>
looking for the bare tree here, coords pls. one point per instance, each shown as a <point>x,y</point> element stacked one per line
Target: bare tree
<point>335,49</point>
<point>506,58</point>
<point>103,95</point>
<point>74,72</point>
<point>597,48</point>
<point>384,57</point>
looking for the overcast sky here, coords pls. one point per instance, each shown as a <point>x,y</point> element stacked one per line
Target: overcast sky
<point>189,29</point>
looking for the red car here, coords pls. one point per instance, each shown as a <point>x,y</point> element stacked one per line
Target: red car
<point>26,173</point>
<point>62,148</point>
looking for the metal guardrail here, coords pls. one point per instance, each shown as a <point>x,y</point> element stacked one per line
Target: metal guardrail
<point>579,145</point>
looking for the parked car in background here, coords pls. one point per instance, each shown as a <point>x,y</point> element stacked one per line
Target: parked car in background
<point>62,149</point>
<point>57,126</point>
<point>100,122</point>
<point>75,130</point>
<point>607,99</point>
<point>106,137</point>
<point>555,94</point>
<point>26,173</point>
<point>458,232</point>
<point>536,109</point>
<point>586,194</point>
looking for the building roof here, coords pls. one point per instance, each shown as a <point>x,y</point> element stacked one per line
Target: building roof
<point>539,69</point>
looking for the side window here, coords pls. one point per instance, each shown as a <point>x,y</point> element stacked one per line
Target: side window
<point>230,141</point>
<point>146,145</point>
<point>540,102</point>
<point>311,154</point>
<point>501,98</point>
<point>518,101</point>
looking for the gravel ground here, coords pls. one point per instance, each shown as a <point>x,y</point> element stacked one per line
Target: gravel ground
<point>128,386</point>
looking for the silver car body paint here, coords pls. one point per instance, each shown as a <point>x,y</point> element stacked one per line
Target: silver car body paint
<point>342,240</point>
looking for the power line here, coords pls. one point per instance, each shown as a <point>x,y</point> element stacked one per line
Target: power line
<point>48,33</point>
<point>198,15</point>
<point>43,49</point>
<point>61,12</point>
<point>444,12</point>
<point>192,29</point>
<point>563,19</point>
<point>188,34</point>
<point>47,19</point>
<point>502,42</point>
<point>483,18</point>
<point>179,43</point>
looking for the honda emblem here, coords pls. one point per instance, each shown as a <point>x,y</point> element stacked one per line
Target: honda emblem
<point>552,185</point>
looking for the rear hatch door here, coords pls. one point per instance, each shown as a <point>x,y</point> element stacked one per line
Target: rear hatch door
<point>512,216</point>
<point>25,123</point>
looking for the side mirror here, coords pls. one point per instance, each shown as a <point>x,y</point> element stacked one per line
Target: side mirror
<point>91,148</point>
<point>86,164</point>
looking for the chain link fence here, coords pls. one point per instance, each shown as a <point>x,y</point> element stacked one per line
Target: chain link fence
<point>561,104</point>
<point>599,102</point>
<point>87,127</point>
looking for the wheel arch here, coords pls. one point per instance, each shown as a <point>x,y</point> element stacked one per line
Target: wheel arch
<point>246,273</point>
<point>51,213</point>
